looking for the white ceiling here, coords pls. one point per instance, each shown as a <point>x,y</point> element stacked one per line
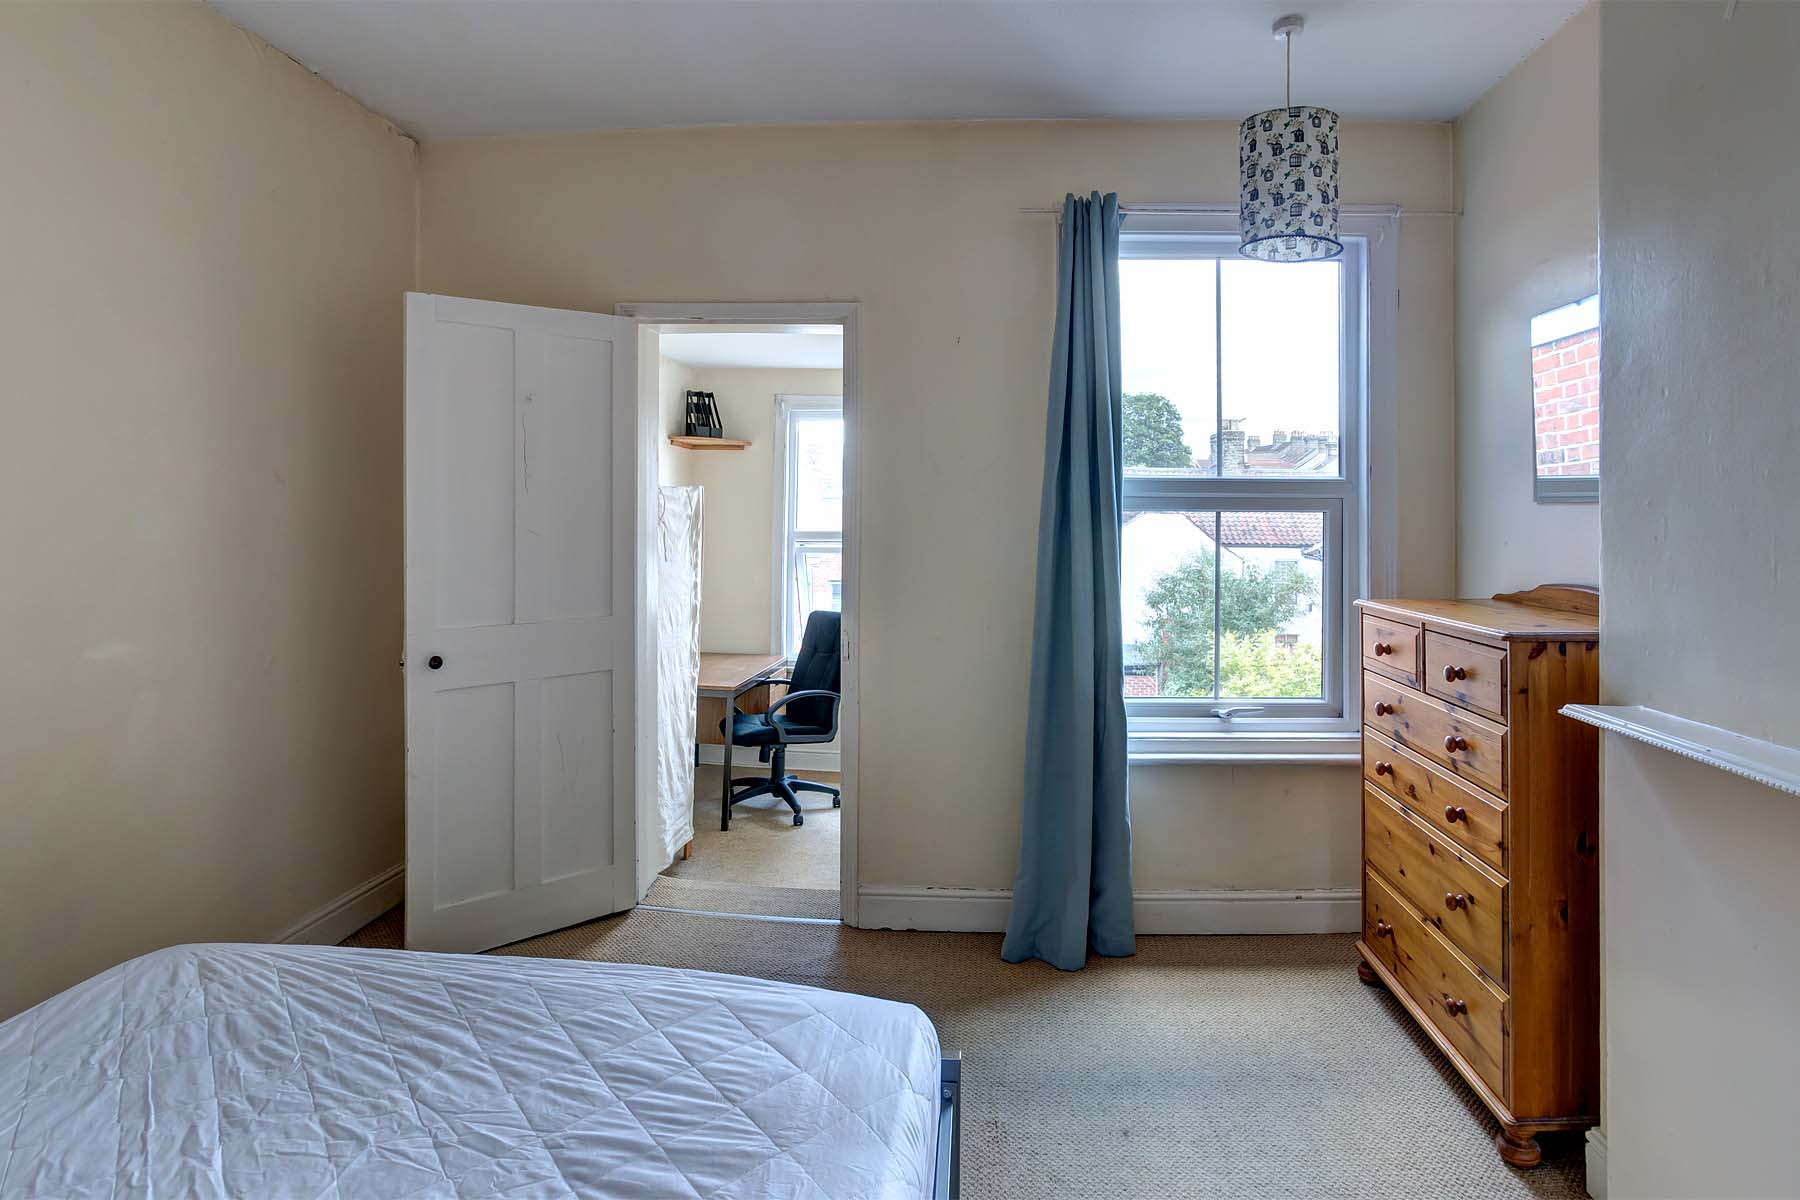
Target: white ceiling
<point>809,347</point>
<point>464,68</point>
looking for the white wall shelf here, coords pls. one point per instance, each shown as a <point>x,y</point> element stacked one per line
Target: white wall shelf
<point>1768,763</point>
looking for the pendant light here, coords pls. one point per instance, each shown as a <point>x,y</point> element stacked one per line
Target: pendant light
<point>1288,176</point>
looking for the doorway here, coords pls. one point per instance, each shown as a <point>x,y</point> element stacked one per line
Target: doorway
<point>747,415</point>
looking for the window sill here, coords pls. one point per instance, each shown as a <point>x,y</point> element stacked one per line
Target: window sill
<point>1153,749</point>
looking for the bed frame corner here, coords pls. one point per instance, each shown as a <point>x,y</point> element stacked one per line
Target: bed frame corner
<point>947,1184</point>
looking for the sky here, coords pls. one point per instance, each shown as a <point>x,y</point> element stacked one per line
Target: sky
<point>1281,333</point>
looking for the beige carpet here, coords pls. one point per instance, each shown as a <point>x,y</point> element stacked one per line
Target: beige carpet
<point>702,895</point>
<point>1230,1067</point>
<point>764,848</point>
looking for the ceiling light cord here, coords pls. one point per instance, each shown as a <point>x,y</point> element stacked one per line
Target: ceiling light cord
<point>1288,41</point>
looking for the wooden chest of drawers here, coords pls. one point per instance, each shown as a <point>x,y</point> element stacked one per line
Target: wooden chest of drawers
<point>1480,814</point>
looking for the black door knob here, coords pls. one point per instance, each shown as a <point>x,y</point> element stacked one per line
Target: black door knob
<point>435,661</point>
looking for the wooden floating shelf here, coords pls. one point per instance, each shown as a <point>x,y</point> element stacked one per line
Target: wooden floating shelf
<point>708,443</point>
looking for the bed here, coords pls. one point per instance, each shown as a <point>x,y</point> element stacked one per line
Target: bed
<point>240,1071</point>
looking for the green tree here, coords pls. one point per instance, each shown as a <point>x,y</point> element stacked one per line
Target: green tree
<point>1257,665</point>
<point>1152,432</point>
<point>1252,601</point>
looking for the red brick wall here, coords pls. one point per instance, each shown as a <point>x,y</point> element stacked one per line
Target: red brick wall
<point>1140,685</point>
<point>1565,389</point>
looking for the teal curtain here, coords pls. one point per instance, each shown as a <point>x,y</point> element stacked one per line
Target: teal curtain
<point>1073,888</point>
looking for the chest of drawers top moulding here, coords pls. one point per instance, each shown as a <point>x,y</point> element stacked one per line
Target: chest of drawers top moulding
<point>1497,620</point>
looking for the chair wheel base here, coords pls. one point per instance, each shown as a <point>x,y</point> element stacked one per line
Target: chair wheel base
<point>779,784</point>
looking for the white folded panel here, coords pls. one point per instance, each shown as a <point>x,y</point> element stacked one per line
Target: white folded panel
<point>242,1071</point>
<point>677,608</point>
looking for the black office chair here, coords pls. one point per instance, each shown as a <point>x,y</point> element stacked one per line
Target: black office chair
<point>808,714</point>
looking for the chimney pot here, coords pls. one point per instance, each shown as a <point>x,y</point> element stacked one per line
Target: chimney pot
<point>1228,448</point>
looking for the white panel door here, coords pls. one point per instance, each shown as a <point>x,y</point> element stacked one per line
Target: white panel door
<point>520,617</point>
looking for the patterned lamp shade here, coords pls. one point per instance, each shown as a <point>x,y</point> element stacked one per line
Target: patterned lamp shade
<point>1288,194</point>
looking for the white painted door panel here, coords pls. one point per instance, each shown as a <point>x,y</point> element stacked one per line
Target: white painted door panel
<point>520,544</point>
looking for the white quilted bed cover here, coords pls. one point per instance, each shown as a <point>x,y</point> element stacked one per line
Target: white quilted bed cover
<point>249,1071</point>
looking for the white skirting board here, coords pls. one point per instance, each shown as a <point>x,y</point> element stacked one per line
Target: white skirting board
<point>1596,1163</point>
<point>984,910</point>
<point>333,922</point>
<point>957,910</point>
<point>744,761</point>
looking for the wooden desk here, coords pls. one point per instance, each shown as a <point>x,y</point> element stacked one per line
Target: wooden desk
<point>731,683</point>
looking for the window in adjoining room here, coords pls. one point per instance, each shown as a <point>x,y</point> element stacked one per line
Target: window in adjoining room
<point>809,549</point>
<point>1243,530</point>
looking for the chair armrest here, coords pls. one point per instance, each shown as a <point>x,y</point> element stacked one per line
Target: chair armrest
<point>816,694</point>
<point>759,683</point>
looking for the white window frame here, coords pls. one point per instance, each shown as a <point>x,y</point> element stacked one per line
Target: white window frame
<point>1359,507</point>
<point>787,539</point>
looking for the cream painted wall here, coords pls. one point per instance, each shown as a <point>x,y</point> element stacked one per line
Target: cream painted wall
<point>205,250</point>
<point>921,225</point>
<point>1700,551</point>
<point>738,536</point>
<point>1527,176</point>
<point>673,380</point>
<point>1221,827</point>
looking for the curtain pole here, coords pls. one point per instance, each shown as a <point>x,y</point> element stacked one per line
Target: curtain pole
<point>1231,210</point>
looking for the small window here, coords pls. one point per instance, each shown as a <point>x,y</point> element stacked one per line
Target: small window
<point>809,548</point>
<point>1565,403</point>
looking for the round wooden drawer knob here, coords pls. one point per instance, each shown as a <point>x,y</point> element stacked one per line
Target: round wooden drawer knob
<point>1382,768</point>
<point>1382,709</point>
<point>1455,1007</point>
<point>1452,742</point>
<point>1455,812</point>
<point>1455,900</point>
<point>1383,929</point>
<point>1382,648</point>
<point>1452,674</point>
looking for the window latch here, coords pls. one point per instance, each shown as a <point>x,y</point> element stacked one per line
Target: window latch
<point>1225,714</point>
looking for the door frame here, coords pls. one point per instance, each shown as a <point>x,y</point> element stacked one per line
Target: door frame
<point>652,317</point>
